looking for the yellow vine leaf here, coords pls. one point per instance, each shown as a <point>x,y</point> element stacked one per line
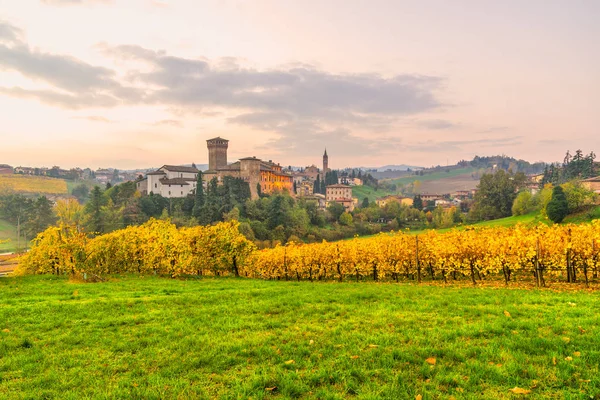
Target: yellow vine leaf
<point>518,390</point>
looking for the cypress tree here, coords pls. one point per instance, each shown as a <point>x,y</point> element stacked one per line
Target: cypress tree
<point>558,207</point>
<point>317,186</point>
<point>199,197</point>
<point>418,202</point>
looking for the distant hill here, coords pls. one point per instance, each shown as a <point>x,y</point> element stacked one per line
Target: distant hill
<point>401,167</point>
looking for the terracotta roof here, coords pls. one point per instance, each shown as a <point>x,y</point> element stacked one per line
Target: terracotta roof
<point>157,173</point>
<point>339,186</point>
<point>180,168</point>
<point>250,158</point>
<point>174,181</point>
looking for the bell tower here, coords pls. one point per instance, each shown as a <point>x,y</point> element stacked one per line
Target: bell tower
<point>217,153</point>
<point>325,162</point>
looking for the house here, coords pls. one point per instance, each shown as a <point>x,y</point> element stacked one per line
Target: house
<point>426,197</point>
<point>169,181</point>
<point>345,180</point>
<point>382,201</point>
<point>592,184</point>
<point>443,203</point>
<point>317,198</point>
<point>25,171</point>
<point>462,194</point>
<point>305,188</point>
<point>341,194</point>
<point>6,169</point>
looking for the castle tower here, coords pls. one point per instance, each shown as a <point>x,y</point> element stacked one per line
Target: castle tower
<point>217,153</point>
<point>325,162</point>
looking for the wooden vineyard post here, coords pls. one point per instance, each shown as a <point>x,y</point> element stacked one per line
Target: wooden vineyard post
<point>417,257</point>
<point>594,258</point>
<point>285,263</point>
<point>537,263</point>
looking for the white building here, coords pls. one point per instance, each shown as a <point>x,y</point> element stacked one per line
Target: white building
<point>169,181</point>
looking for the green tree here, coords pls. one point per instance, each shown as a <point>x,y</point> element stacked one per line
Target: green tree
<point>199,196</point>
<point>365,202</point>
<point>558,208</point>
<point>335,210</point>
<point>93,211</point>
<point>418,202</point>
<point>496,194</point>
<point>41,217</point>
<point>346,219</point>
<point>523,203</point>
<point>81,192</point>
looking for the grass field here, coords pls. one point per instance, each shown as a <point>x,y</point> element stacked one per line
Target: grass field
<point>156,338</point>
<point>433,176</point>
<point>361,192</point>
<point>32,184</point>
<point>7,231</point>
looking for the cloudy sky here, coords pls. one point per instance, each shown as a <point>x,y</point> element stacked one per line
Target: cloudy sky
<point>139,83</point>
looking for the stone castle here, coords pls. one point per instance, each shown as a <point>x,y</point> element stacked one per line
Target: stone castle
<point>266,174</point>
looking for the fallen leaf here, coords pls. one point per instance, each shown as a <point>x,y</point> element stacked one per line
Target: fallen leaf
<point>270,389</point>
<point>577,354</point>
<point>6,330</point>
<point>554,360</point>
<point>431,360</point>
<point>518,390</point>
<point>585,380</point>
<point>290,362</point>
<point>566,339</point>
<point>572,304</point>
<point>506,313</point>
<point>354,357</point>
<point>418,397</point>
<point>311,342</point>
<point>498,365</point>
<point>581,330</point>
<point>373,346</point>
<point>135,385</point>
<point>569,358</point>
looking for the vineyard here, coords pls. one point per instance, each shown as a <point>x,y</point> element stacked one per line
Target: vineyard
<point>32,184</point>
<point>543,253</point>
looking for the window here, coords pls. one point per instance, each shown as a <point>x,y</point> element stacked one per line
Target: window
<point>169,192</point>
<point>182,192</point>
<point>156,185</point>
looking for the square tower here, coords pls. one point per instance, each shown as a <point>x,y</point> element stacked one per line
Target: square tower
<point>217,153</point>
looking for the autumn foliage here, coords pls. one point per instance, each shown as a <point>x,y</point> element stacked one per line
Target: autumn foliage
<point>543,252</point>
<point>156,247</point>
<point>557,252</point>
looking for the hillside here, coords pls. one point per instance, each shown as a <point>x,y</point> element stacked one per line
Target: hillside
<point>361,192</point>
<point>7,231</point>
<point>32,184</point>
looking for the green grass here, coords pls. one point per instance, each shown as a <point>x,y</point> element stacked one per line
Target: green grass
<point>157,338</point>
<point>433,176</point>
<point>587,215</point>
<point>361,192</point>
<point>7,231</point>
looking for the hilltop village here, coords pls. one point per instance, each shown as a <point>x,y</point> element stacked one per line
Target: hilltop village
<point>263,177</point>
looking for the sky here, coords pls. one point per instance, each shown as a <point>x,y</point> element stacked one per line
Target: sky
<point>141,83</point>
